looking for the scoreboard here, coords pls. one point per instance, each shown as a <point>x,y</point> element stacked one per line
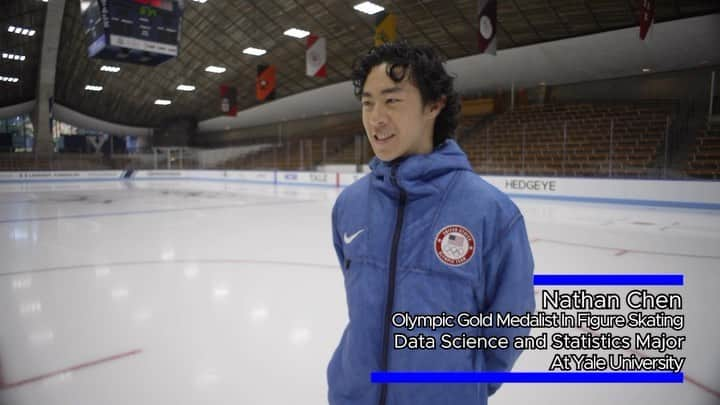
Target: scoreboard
<point>135,31</point>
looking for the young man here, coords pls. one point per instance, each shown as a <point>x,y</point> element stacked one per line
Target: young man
<point>422,235</point>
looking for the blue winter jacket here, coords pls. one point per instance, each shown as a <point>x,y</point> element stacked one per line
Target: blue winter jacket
<point>425,235</point>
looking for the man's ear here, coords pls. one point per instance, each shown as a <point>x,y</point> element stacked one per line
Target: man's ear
<point>437,106</point>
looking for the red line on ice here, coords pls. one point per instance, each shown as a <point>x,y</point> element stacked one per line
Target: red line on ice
<point>5,386</point>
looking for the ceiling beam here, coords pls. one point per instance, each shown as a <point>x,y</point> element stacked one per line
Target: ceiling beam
<point>527,21</point>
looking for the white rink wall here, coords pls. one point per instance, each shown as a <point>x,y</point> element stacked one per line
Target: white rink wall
<point>671,193</point>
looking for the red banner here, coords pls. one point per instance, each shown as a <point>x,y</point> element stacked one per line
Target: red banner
<point>647,15</point>
<point>265,83</point>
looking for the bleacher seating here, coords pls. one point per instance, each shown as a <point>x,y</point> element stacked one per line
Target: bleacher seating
<point>301,152</point>
<point>528,141</point>
<point>704,159</point>
<point>531,140</point>
<point>347,152</point>
<point>59,161</point>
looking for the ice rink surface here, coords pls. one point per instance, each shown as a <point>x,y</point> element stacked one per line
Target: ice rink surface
<point>189,292</point>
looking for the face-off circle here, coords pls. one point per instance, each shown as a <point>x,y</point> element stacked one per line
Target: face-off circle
<point>454,245</point>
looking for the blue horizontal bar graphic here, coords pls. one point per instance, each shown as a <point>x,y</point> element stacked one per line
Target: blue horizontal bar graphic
<point>526,377</point>
<point>609,279</point>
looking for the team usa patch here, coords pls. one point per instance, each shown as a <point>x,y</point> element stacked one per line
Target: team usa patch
<point>454,245</point>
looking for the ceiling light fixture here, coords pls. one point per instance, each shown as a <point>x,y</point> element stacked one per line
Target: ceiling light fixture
<point>161,101</point>
<point>186,87</point>
<point>368,8</point>
<point>296,33</point>
<point>215,69</point>
<point>254,51</point>
<point>20,30</point>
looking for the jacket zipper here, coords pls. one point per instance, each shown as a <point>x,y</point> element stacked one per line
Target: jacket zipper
<point>391,280</point>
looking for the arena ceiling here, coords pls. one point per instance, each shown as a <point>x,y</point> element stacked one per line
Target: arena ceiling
<point>216,32</point>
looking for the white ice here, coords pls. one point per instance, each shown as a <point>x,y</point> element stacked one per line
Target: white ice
<point>187,292</point>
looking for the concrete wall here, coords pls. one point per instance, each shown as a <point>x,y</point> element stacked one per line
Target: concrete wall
<point>286,130</point>
<point>690,86</point>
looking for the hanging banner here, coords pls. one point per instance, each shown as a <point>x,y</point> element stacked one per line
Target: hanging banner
<point>265,83</point>
<point>385,28</point>
<point>487,26</point>
<point>228,100</point>
<point>316,57</point>
<point>647,15</point>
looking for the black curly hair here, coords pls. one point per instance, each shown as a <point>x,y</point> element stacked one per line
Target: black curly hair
<point>426,73</point>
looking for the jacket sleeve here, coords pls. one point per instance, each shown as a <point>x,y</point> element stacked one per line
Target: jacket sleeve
<point>337,238</point>
<point>508,288</point>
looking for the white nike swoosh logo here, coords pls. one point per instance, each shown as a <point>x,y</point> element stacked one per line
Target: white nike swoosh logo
<point>349,239</point>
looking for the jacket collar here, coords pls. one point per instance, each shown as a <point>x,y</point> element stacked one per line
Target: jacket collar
<point>420,175</point>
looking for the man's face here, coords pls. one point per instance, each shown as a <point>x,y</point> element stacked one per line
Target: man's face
<point>395,120</point>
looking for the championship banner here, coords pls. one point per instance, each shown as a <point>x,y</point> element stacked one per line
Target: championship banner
<point>647,15</point>
<point>385,28</point>
<point>265,83</point>
<point>487,23</point>
<point>228,100</point>
<point>315,57</point>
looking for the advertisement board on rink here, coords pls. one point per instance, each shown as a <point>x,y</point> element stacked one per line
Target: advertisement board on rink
<point>254,176</point>
<point>608,190</point>
<point>308,178</point>
<point>347,179</point>
<point>681,193</point>
<point>158,174</point>
<point>60,175</point>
